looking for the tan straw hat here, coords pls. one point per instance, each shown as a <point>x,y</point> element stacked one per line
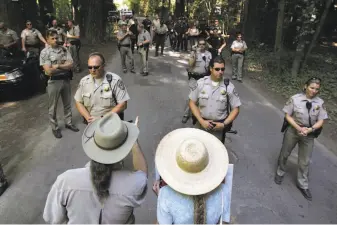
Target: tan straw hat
<point>109,140</point>
<point>191,161</point>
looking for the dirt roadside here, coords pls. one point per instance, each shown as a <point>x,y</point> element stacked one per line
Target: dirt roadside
<point>22,122</point>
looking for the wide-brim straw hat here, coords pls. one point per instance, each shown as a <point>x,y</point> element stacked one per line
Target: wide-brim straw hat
<point>109,140</point>
<point>191,161</point>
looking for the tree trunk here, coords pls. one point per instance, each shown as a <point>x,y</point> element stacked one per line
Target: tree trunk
<point>245,14</point>
<point>298,58</point>
<point>279,35</point>
<point>30,10</point>
<point>94,23</point>
<point>180,8</point>
<point>320,25</point>
<point>10,13</point>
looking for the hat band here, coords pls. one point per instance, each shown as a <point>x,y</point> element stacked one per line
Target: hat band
<point>117,146</point>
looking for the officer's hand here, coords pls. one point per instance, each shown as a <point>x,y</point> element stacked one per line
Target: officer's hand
<point>24,49</point>
<point>90,119</point>
<point>206,124</point>
<point>218,126</point>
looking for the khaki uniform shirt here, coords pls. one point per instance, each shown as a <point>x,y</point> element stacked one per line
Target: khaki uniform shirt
<point>212,101</point>
<point>296,107</point>
<point>161,29</point>
<point>201,65</point>
<point>74,31</point>
<point>53,56</point>
<point>73,200</point>
<point>143,36</point>
<point>156,23</point>
<point>126,40</point>
<point>98,99</point>
<point>60,33</point>
<point>120,22</point>
<point>239,44</point>
<point>8,36</point>
<point>31,35</point>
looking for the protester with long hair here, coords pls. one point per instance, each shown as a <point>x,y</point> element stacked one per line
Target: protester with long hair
<point>193,163</point>
<point>102,192</point>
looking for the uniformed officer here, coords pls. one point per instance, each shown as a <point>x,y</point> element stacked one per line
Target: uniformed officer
<point>217,43</point>
<point>3,181</point>
<point>100,92</point>
<point>57,63</point>
<point>60,32</point>
<point>8,38</point>
<point>143,42</point>
<point>198,68</point>
<point>147,23</point>
<point>31,38</point>
<point>304,117</point>
<point>122,21</point>
<point>208,100</point>
<point>124,44</point>
<point>238,48</point>
<point>160,33</point>
<point>74,44</point>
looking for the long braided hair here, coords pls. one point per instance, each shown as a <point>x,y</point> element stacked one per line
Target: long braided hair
<point>100,178</point>
<point>199,209</point>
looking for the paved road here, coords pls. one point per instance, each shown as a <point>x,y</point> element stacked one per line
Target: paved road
<point>159,101</point>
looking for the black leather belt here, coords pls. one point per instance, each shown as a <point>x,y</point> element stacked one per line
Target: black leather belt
<point>126,46</point>
<point>59,78</point>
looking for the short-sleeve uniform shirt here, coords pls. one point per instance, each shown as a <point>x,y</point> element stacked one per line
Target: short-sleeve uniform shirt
<point>143,36</point>
<point>53,56</point>
<point>212,100</point>
<point>31,36</point>
<point>8,36</point>
<point>99,99</point>
<point>296,107</point>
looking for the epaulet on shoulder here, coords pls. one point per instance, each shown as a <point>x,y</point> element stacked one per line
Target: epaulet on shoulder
<point>297,95</point>
<point>85,78</point>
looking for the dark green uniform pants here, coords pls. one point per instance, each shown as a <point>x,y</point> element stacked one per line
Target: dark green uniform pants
<point>305,148</point>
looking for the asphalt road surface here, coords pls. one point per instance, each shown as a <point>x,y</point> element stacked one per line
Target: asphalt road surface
<point>37,158</point>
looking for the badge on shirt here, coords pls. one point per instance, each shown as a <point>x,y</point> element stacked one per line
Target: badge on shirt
<point>203,92</point>
<point>317,107</point>
<point>106,88</point>
<point>223,92</point>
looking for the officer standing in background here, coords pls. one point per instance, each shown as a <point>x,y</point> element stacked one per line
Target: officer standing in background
<point>160,33</point>
<point>198,68</point>
<point>8,38</point>
<point>60,32</point>
<point>304,117</point>
<point>171,33</point>
<point>74,44</point>
<point>238,48</point>
<point>217,43</point>
<point>147,23</point>
<point>100,92</point>
<point>124,44</point>
<point>208,101</point>
<point>134,29</point>
<point>155,25</point>
<point>143,42</point>
<point>57,63</point>
<point>31,38</point>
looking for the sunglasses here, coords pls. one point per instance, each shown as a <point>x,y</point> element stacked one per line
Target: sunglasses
<point>315,78</point>
<point>93,67</point>
<point>218,69</point>
<point>28,24</point>
<point>202,43</point>
<point>52,38</point>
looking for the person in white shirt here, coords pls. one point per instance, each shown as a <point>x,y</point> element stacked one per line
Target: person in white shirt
<point>238,48</point>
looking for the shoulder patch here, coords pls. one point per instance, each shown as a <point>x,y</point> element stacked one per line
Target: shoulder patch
<point>235,92</point>
<point>195,86</point>
<point>290,101</point>
<point>121,85</point>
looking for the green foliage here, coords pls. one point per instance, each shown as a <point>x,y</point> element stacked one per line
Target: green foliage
<point>63,9</point>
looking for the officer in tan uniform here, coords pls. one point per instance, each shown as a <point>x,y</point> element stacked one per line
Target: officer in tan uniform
<point>124,45</point>
<point>60,32</point>
<point>8,38</point>
<point>143,42</point>
<point>31,38</point>
<point>198,68</point>
<point>211,96</point>
<point>100,92</point>
<point>160,33</point>
<point>304,117</point>
<point>57,63</point>
<point>74,44</point>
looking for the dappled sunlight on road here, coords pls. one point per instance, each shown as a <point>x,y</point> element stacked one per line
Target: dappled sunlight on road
<point>7,105</point>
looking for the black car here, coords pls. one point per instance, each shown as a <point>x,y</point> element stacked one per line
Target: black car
<point>20,75</point>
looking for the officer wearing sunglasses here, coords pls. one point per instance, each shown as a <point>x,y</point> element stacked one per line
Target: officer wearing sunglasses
<point>208,100</point>
<point>304,117</point>
<point>100,92</point>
